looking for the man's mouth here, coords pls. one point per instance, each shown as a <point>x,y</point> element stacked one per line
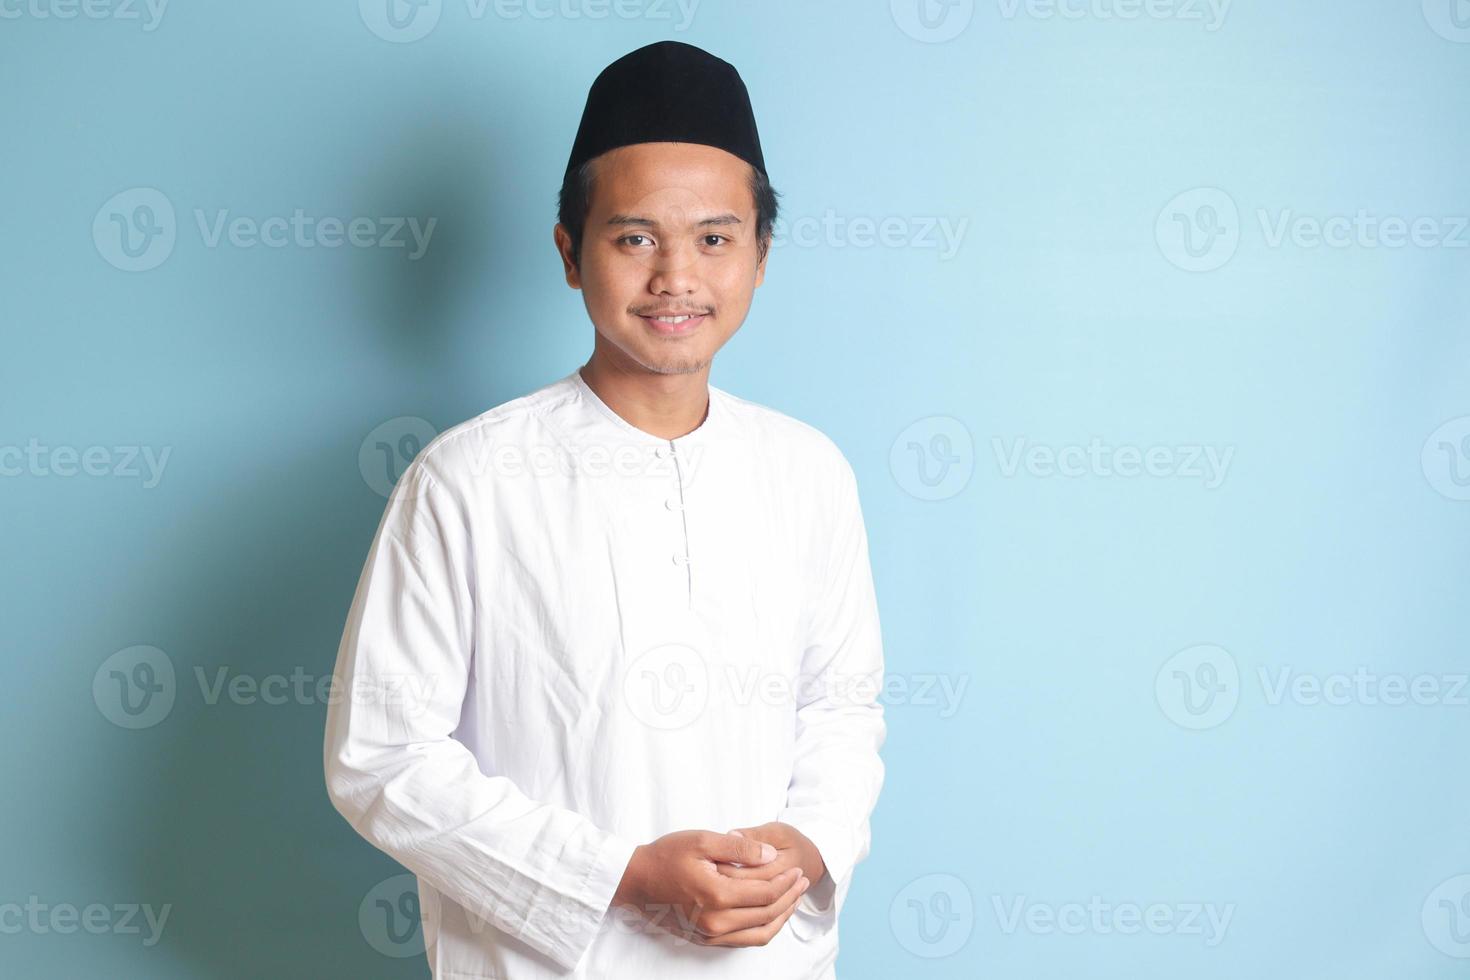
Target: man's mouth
<point>674,322</point>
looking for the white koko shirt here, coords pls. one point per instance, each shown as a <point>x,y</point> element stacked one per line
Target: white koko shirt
<point>571,637</point>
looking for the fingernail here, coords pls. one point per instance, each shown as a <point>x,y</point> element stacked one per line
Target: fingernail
<point>768,853</point>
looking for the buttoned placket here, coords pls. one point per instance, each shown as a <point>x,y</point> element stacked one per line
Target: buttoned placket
<point>677,504</point>
<point>676,499</point>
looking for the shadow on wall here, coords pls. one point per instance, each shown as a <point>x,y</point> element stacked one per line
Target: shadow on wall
<point>264,876</point>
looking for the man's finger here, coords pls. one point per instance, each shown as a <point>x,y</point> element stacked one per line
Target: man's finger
<point>744,893</point>
<point>758,935</point>
<point>731,847</point>
<point>749,917</point>
<point>763,872</point>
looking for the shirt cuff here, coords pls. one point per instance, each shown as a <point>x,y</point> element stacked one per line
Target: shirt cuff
<point>580,919</point>
<point>816,910</point>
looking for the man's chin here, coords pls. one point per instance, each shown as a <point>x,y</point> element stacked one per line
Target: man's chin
<point>676,365</point>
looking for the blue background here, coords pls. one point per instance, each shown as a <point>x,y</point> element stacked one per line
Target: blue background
<point>1336,540</point>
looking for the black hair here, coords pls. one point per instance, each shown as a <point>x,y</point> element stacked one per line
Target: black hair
<point>575,200</point>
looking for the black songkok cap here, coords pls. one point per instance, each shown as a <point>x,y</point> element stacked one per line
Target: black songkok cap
<point>669,91</point>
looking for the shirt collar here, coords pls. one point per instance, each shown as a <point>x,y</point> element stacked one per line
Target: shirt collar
<point>716,422</point>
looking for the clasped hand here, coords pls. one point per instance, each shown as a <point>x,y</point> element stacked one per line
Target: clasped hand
<point>735,889</point>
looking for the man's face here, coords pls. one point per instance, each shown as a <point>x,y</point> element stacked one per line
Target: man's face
<point>670,230</point>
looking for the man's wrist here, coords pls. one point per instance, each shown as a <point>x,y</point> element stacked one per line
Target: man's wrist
<point>628,887</point>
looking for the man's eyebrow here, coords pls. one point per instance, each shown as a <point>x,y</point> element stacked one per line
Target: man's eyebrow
<point>631,219</point>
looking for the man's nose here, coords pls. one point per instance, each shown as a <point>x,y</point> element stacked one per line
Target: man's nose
<point>675,269</point>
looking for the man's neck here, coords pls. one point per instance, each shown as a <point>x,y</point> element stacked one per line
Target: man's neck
<point>663,405</point>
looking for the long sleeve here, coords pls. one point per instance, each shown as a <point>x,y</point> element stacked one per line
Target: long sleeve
<point>541,873</point>
<point>838,772</point>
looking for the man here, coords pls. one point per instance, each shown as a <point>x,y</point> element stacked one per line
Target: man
<point>605,621</point>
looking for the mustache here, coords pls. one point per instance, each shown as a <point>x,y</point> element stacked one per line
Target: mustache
<point>673,311</point>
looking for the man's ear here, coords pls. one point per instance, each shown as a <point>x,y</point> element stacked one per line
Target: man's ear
<point>568,260</point>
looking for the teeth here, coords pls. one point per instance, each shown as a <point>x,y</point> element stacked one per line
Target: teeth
<point>671,319</point>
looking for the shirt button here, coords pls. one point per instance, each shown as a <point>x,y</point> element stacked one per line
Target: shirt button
<point>662,452</point>
<point>674,503</point>
<point>681,559</point>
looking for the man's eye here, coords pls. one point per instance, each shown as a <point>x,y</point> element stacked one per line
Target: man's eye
<point>719,239</point>
<point>628,239</point>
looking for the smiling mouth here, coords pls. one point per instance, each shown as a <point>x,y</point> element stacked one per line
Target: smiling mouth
<point>674,324</point>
